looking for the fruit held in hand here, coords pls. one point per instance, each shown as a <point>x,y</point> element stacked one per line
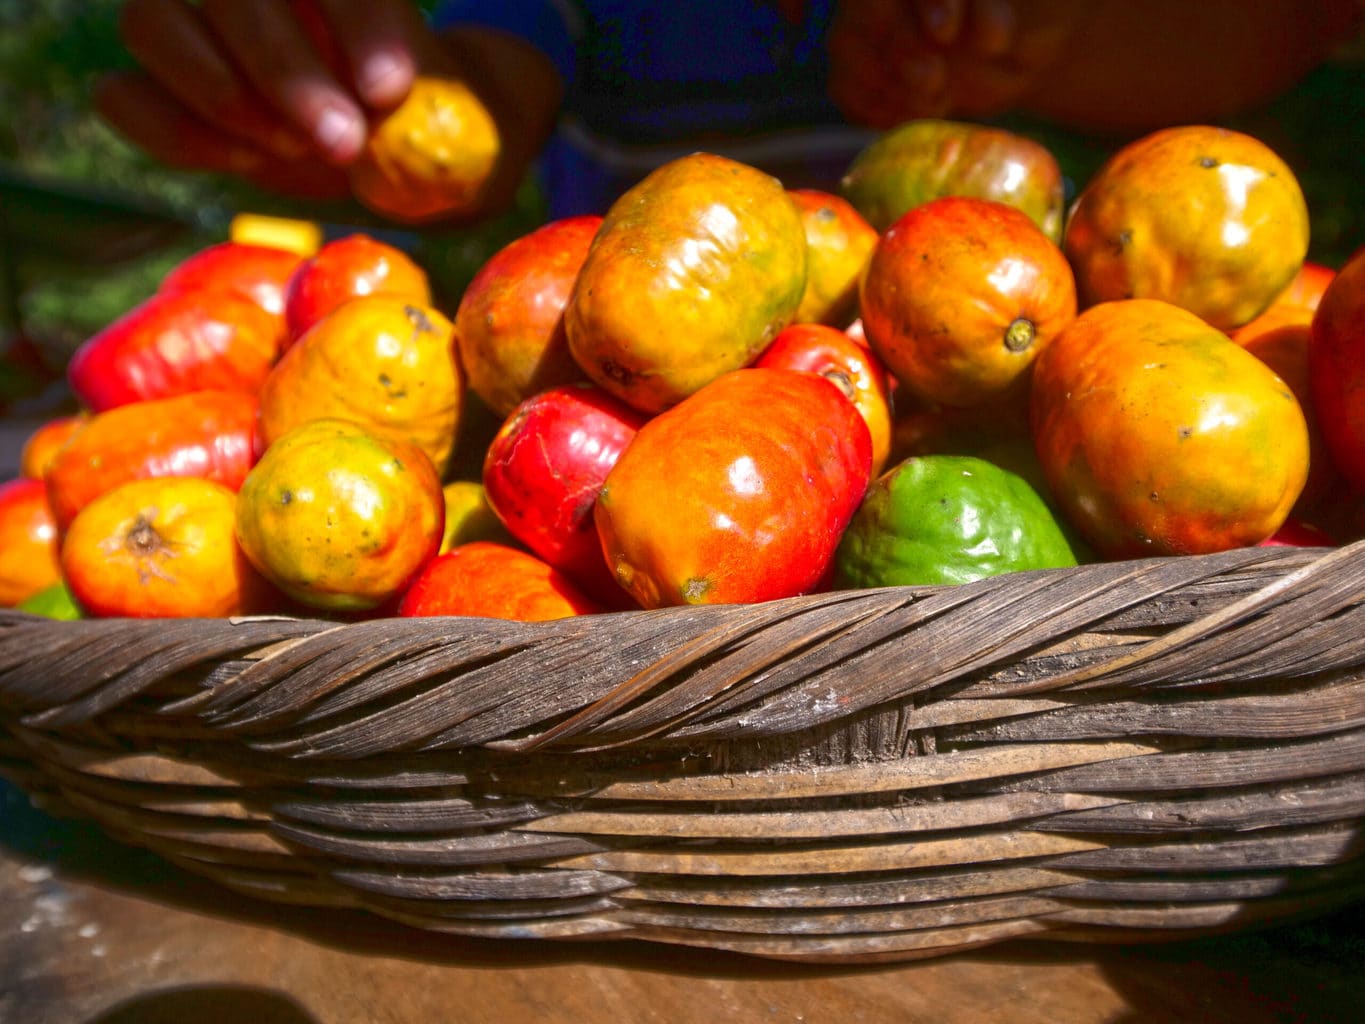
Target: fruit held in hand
<point>431,157</point>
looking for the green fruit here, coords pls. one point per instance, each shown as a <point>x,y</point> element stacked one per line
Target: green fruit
<point>929,159</point>
<point>55,602</point>
<point>938,519</point>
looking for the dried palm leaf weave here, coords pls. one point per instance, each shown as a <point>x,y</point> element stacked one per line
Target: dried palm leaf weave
<point>1123,751</point>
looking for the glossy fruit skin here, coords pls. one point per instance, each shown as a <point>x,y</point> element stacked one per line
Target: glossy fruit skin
<point>382,361</point>
<point>209,434</point>
<point>948,519</point>
<point>738,494</point>
<point>1158,435</point>
<point>1336,364</point>
<point>173,343</point>
<point>339,518</point>
<point>494,581</point>
<point>839,243</point>
<point>44,443</point>
<point>854,369</point>
<point>692,274</point>
<point>961,295</point>
<point>161,548</point>
<point>469,517</point>
<point>1295,305</point>
<point>345,268</point>
<point>1285,349</point>
<point>1205,218</point>
<point>257,272</point>
<point>930,158</point>
<point>509,326</point>
<point>28,539</point>
<point>544,469</point>
<point>430,157</point>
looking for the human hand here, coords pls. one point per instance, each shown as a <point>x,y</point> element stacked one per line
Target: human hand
<point>275,91</point>
<point>896,60</point>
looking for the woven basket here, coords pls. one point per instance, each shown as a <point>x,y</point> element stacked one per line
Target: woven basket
<point>1118,752</point>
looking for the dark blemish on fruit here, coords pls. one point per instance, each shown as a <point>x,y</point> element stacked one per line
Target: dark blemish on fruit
<point>1185,433</point>
<point>286,497</point>
<point>419,320</point>
<point>842,381</point>
<point>1207,161</point>
<point>615,371</point>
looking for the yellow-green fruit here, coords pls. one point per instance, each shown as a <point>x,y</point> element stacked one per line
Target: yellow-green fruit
<point>693,272</point>
<point>340,518</point>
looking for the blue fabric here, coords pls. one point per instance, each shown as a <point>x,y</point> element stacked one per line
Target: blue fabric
<point>648,81</point>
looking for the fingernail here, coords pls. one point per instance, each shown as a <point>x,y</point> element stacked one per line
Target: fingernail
<point>338,132</point>
<point>381,76</point>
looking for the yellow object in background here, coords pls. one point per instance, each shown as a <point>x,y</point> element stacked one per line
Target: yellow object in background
<point>300,236</point>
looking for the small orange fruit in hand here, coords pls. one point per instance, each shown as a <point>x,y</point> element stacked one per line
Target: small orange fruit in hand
<point>432,156</point>
<point>340,518</point>
<point>1207,219</point>
<point>1159,435</point>
<point>161,548</point>
<point>961,295</point>
<point>494,581</point>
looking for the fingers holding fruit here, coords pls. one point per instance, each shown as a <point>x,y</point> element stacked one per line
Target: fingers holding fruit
<point>289,79</point>
<point>321,97</point>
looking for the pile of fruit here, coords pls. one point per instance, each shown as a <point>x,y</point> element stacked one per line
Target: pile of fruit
<point>722,391</point>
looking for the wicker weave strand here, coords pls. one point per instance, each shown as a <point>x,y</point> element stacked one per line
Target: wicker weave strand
<point>1121,751</point>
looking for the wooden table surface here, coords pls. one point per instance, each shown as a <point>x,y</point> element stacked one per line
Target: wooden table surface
<point>92,932</point>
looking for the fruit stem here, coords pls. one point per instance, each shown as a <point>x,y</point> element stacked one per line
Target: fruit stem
<point>1019,334</point>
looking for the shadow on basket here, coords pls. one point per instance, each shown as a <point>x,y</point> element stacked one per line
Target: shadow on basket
<point>1122,752</point>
